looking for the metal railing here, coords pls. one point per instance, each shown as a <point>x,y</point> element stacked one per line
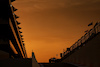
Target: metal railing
<point>83,39</point>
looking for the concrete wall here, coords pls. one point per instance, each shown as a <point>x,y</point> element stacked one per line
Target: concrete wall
<point>34,61</point>
<point>16,63</point>
<point>88,55</point>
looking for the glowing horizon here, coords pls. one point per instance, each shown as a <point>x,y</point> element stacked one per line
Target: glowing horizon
<point>49,26</point>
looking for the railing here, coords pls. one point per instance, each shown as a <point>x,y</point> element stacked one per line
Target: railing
<point>89,34</point>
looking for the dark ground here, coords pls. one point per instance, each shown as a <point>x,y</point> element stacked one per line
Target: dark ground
<point>56,65</point>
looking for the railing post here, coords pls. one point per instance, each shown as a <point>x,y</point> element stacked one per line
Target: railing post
<point>95,27</point>
<point>61,55</point>
<point>80,41</point>
<point>94,30</point>
<point>72,46</point>
<point>77,43</point>
<point>89,33</point>
<point>84,38</point>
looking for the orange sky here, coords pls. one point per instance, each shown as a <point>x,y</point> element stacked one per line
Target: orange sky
<point>49,26</point>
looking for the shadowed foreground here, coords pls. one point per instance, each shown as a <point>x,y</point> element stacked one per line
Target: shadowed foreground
<point>56,65</point>
<point>16,62</point>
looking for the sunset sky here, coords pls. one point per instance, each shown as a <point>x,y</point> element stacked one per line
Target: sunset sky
<point>49,26</point>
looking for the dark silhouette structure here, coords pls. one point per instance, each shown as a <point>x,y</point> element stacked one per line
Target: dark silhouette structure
<point>82,41</point>
<point>11,43</point>
<point>56,65</point>
<point>86,51</point>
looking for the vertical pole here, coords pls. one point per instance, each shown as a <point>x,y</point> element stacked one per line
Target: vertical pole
<point>89,33</point>
<point>84,38</point>
<point>94,30</point>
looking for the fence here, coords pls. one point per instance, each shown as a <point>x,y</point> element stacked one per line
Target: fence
<point>90,33</point>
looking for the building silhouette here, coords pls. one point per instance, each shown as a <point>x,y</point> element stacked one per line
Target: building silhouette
<point>85,52</point>
<point>11,41</point>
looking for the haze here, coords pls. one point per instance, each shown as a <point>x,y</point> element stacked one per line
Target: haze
<point>50,26</point>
